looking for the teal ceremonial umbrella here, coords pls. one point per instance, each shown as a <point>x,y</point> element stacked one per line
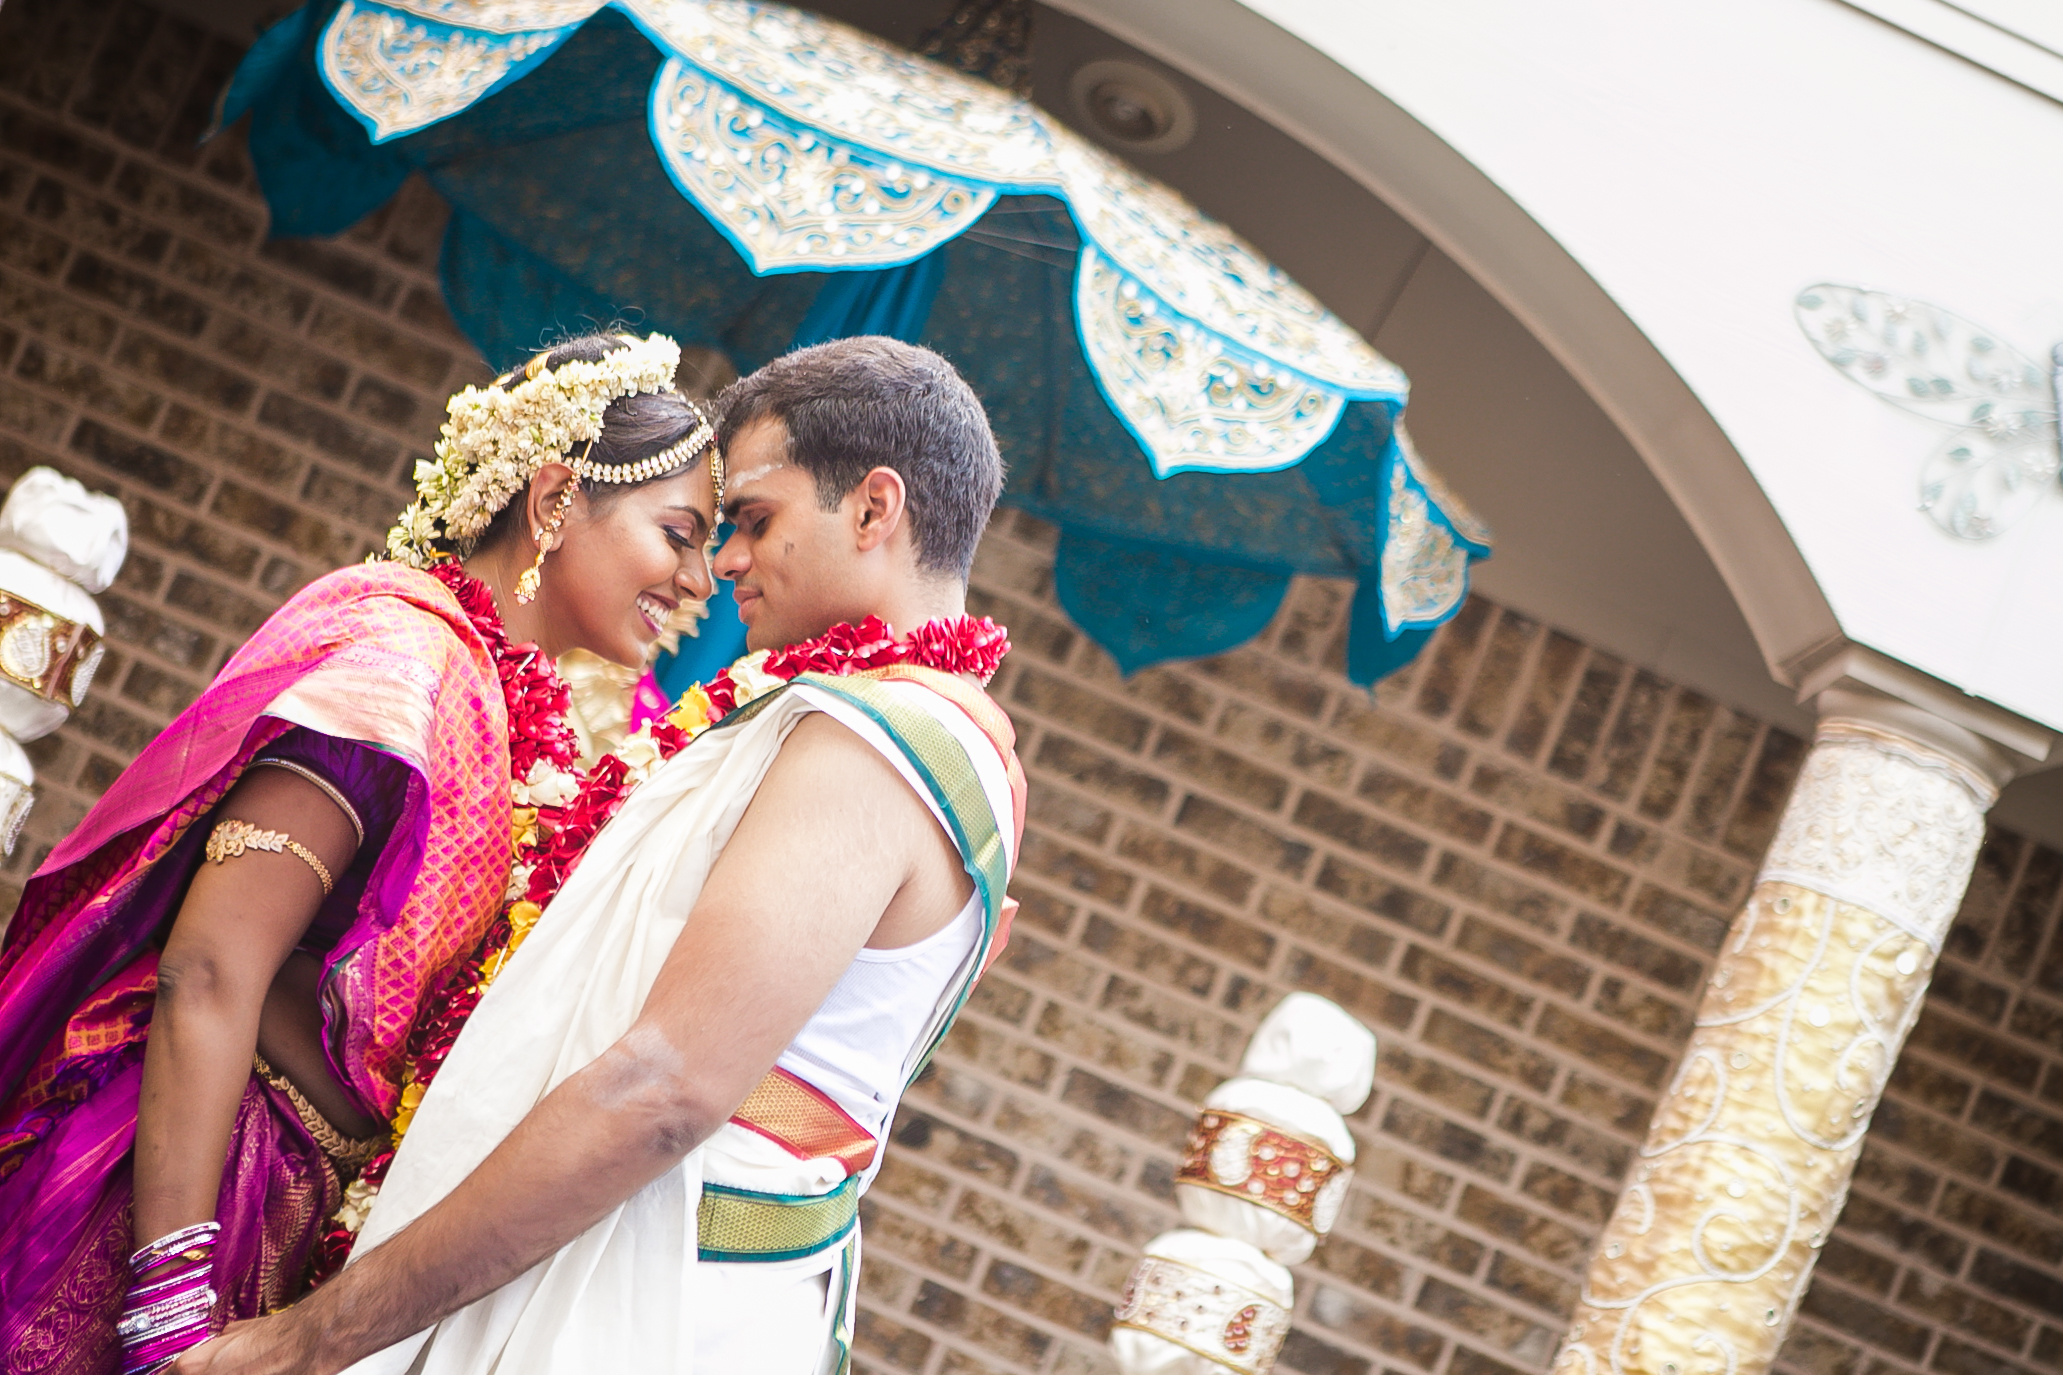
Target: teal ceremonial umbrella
<point>748,177</point>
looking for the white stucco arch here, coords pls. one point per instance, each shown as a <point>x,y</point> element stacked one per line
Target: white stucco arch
<point>1301,90</point>
<point>1645,191</point>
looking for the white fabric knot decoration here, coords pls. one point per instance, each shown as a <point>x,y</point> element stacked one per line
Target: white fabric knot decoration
<point>79,535</point>
<point>1311,1043</point>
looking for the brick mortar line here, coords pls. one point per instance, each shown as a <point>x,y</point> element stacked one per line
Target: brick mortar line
<point>1368,1134</point>
<point>1525,1036</point>
<point>357,371</point>
<point>2003,1145</point>
<point>191,177</point>
<point>2030,1097</point>
<point>244,422</point>
<point>1942,1327</point>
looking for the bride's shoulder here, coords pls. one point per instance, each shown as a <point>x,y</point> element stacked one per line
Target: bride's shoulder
<point>378,602</point>
<point>379,579</point>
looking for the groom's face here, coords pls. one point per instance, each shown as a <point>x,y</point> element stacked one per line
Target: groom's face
<point>790,561</point>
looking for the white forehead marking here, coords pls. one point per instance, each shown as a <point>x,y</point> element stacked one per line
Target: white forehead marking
<point>733,481</point>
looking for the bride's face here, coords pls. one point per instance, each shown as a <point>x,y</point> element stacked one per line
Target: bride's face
<point>625,560</point>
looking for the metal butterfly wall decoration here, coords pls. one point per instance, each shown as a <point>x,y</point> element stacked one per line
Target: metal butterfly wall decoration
<point>2002,453</point>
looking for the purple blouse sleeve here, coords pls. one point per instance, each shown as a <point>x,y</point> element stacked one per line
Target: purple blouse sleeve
<point>375,783</point>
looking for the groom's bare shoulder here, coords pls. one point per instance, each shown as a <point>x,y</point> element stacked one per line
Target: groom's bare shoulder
<point>854,806</point>
<point>822,742</point>
<point>832,783</point>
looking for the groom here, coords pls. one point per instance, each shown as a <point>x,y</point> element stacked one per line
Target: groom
<point>832,859</point>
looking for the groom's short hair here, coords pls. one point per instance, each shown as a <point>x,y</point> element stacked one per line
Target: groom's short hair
<point>854,405</point>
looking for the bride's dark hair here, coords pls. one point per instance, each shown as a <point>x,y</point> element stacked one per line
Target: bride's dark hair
<point>633,428</point>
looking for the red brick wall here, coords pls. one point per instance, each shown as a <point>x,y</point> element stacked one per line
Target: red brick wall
<point>1514,862</point>
<point>257,406</point>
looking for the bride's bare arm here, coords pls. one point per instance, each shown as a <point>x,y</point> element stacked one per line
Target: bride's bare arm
<point>239,922</point>
<point>833,842</point>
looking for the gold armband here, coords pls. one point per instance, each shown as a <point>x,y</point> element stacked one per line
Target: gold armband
<point>231,838</point>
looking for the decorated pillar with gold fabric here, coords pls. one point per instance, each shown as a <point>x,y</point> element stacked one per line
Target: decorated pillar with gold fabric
<point>1749,1153</point>
<point>1262,1179</point>
<point>59,544</point>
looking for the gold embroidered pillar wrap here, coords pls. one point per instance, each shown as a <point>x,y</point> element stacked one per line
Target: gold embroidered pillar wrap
<point>1749,1154</point>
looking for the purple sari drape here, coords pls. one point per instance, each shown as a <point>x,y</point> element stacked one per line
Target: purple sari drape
<point>378,654</point>
<point>65,1219</point>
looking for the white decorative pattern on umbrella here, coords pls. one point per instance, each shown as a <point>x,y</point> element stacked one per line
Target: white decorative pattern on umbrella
<point>1213,276</point>
<point>791,200</point>
<point>1194,400</point>
<point>402,75</point>
<point>1424,571</point>
<point>856,89</point>
<point>1466,523</point>
<point>504,16</point>
<point>815,147</point>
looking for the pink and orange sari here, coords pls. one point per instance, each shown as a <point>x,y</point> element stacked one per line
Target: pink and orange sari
<point>380,654</point>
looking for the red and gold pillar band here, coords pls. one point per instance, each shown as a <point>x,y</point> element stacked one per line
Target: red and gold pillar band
<point>44,653</point>
<point>1262,1164</point>
<point>1748,1157</point>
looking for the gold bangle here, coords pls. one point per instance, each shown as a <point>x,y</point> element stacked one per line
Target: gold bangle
<point>231,838</point>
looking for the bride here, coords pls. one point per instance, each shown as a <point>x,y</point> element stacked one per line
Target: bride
<point>207,993</point>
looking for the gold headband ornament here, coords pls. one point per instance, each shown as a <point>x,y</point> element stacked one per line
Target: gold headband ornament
<point>495,440</point>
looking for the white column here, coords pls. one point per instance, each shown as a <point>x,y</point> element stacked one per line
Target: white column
<point>1749,1154</point>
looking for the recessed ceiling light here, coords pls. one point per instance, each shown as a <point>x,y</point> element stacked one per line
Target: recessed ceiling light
<point>1133,106</point>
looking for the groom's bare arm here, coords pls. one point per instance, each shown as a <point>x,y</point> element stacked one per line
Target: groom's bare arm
<point>834,847</point>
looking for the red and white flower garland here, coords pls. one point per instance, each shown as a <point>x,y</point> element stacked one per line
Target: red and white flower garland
<point>531,690</point>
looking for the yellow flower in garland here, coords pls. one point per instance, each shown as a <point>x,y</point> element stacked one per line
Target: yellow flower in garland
<point>522,918</point>
<point>411,1099</point>
<point>692,712</point>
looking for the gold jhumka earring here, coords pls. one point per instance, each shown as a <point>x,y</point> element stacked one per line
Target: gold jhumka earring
<point>527,583</point>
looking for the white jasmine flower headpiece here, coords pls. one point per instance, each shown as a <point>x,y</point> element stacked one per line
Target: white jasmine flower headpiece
<point>496,439</point>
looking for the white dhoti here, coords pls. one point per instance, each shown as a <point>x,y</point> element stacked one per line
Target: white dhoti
<point>638,1291</point>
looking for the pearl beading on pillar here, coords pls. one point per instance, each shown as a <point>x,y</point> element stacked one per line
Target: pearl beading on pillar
<point>1749,1154</point>
<point>1882,823</point>
<point>58,544</point>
